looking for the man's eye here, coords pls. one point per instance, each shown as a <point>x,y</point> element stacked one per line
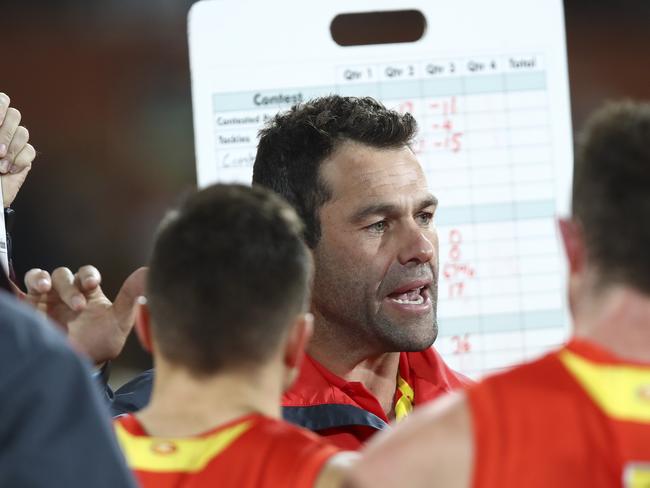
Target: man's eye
<point>378,227</point>
<point>424,218</point>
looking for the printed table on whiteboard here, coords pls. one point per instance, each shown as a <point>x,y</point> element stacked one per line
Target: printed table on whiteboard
<point>488,142</point>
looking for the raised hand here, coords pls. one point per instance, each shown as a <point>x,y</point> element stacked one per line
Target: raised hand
<point>16,154</point>
<point>95,326</point>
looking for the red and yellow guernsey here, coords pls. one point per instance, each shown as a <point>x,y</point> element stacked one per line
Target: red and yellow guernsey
<point>578,417</point>
<point>252,451</point>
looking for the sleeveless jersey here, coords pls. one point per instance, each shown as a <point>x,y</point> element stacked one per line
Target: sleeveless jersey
<point>252,451</point>
<point>578,417</point>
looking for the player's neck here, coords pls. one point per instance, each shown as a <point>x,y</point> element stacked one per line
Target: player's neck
<point>184,405</point>
<point>617,319</point>
<point>343,357</point>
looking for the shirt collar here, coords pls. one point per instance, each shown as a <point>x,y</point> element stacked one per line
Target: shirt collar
<point>424,371</point>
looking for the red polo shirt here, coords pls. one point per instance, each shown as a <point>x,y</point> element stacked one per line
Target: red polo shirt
<point>346,412</point>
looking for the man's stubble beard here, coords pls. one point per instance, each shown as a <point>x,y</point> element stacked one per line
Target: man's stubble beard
<point>347,308</point>
<point>418,335</point>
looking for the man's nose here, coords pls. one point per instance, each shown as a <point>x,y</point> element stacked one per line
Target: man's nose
<point>416,247</point>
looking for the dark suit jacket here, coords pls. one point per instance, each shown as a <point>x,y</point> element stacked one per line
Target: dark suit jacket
<point>55,430</point>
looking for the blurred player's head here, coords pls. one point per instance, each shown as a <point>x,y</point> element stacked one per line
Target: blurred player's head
<point>608,238</point>
<point>229,281</point>
<point>346,166</point>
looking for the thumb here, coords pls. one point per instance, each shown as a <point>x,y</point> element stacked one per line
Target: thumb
<point>124,304</point>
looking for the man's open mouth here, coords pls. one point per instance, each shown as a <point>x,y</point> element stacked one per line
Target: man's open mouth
<point>413,296</point>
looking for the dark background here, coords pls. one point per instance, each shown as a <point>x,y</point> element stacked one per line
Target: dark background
<point>104,90</point>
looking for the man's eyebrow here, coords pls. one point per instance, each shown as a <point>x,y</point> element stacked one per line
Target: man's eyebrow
<point>389,208</point>
<point>377,209</point>
<point>428,201</point>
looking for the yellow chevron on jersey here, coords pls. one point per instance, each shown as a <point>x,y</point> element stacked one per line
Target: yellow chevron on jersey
<point>637,475</point>
<point>164,455</point>
<point>621,391</point>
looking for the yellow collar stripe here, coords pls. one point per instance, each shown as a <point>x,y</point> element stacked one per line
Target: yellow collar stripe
<point>162,455</point>
<point>404,406</point>
<point>621,391</point>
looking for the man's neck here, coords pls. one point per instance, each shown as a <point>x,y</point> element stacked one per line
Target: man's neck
<point>344,358</point>
<point>184,405</point>
<point>617,319</point>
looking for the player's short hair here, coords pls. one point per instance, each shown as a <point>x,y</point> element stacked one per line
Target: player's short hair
<point>294,143</point>
<point>611,193</point>
<point>229,273</point>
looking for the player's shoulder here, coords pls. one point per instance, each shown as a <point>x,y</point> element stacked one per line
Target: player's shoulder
<point>288,442</point>
<point>540,373</point>
<point>438,432</point>
<point>543,381</point>
<point>284,433</point>
<point>292,455</point>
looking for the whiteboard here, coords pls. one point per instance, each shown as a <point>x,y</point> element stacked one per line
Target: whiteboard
<point>488,86</point>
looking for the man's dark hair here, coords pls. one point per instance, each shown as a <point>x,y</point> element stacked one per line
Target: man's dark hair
<point>611,193</point>
<point>228,275</point>
<point>294,143</point>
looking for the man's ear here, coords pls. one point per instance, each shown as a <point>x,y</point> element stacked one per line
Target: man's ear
<point>296,345</point>
<point>574,245</point>
<point>143,324</point>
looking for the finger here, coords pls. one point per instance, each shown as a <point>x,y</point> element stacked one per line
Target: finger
<point>7,130</point>
<point>88,279</point>
<point>21,136</point>
<point>9,126</point>
<point>124,304</point>
<point>23,160</point>
<point>38,281</point>
<point>4,105</point>
<point>63,284</point>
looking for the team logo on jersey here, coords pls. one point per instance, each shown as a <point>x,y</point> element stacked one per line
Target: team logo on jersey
<point>163,447</point>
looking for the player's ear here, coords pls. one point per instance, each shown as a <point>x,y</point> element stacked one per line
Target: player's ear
<point>143,324</point>
<point>296,345</point>
<point>573,241</point>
